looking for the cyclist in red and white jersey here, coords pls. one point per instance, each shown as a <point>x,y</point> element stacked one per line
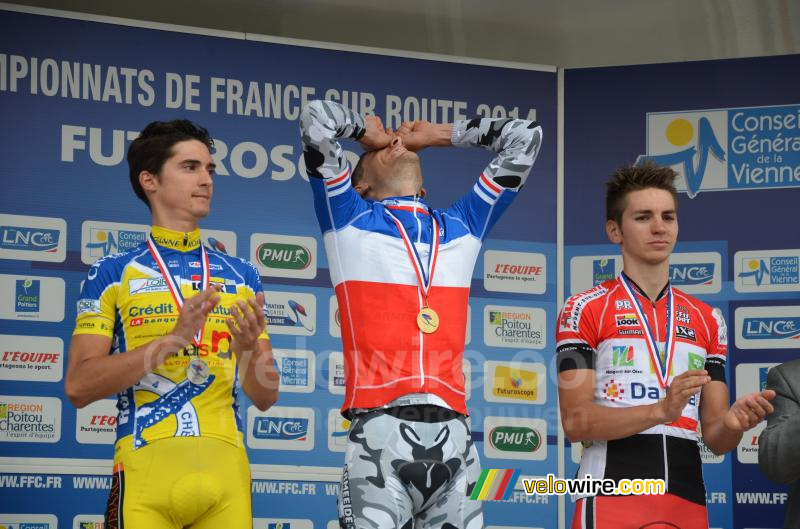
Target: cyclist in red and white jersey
<point>402,271</point>
<point>642,370</point>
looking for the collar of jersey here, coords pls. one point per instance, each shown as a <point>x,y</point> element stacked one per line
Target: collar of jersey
<point>407,203</point>
<point>642,292</point>
<point>176,240</point>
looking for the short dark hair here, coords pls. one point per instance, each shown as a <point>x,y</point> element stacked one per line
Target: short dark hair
<point>635,178</point>
<point>154,145</point>
<point>358,170</point>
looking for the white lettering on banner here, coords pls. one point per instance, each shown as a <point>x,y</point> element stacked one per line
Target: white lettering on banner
<point>267,100</point>
<point>76,80</point>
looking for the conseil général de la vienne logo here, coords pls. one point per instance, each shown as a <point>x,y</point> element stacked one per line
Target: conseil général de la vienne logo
<point>727,149</point>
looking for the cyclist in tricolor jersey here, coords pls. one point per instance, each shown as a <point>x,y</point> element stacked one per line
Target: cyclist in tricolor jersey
<point>402,271</point>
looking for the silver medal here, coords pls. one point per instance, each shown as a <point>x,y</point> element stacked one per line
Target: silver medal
<point>197,371</point>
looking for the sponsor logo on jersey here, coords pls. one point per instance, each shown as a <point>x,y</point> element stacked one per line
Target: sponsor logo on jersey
<point>696,361</point>
<point>627,320</point>
<point>147,285</point>
<point>687,333</point>
<point>623,356</point>
<point>613,391</point>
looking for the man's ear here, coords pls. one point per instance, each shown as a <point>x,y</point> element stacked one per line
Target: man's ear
<point>148,181</point>
<point>422,192</point>
<point>614,231</point>
<point>362,188</point>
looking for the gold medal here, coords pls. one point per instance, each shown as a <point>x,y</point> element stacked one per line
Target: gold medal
<point>427,320</point>
<point>197,371</point>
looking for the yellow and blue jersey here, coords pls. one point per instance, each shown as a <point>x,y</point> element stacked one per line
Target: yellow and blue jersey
<point>126,298</point>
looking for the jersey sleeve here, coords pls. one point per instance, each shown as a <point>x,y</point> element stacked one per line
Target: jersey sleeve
<point>97,306</point>
<point>253,279</point>
<point>517,143</point>
<point>322,125</point>
<point>577,333</point>
<point>717,348</point>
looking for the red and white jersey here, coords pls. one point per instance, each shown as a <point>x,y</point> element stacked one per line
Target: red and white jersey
<point>612,329</point>
<point>372,247</point>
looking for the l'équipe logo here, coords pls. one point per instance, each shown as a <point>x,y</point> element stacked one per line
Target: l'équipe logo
<point>515,438</point>
<point>768,327</point>
<point>31,358</point>
<point>292,313</point>
<point>296,368</point>
<point>284,256</point>
<point>514,382</point>
<point>33,238</point>
<point>767,271</point>
<point>97,423</point>
<point>520,272</point>
<point>30,419</point>
<point>31,298</point>
<point>517,327</point>
<point>281,428</point>
<point>727,149</point>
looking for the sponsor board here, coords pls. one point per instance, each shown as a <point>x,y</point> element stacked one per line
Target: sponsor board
<point>518,327</point>
<point>515,438</point>
<point>768,327</point>
<point>726,149</point>
<point>88,521</point>
<point>96,423</point>
<point>520,272</point>
<point>101,239</point>
<point>696,272</point>
<point>28,521</point>
<point>33,238</point>
<point>220,240</point>
<point>747,451</point>
<point>30,419</point>
<point>280,428</point>
<point>296,368</point>
<point>31,358</point>
<point>588,271</point>
<point>334,318</point>
<point>514,382</point>
<point>292,313</point>
<point>282,523</point>
<point>767,271</point>
<point>336,373</point>
<point>338,427</point>
<point>707,456</point>
<point>751,378</point>
<point>284,256</point>
<point>31,298</point>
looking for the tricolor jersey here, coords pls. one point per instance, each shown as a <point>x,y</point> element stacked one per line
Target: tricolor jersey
<point>377,288</point>
<point>125,298</point>
<point>604,329</point>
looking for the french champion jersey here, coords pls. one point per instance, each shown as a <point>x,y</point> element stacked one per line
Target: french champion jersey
<point>125,298</point>
<point>604,329</point>
<point>377,288</point>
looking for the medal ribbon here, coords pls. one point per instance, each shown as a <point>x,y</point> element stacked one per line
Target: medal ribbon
<point>174,288</point>
<point>424,274</point>
<point>661,364</point>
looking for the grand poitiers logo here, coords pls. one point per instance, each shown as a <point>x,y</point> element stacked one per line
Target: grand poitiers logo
<point>727,149</point>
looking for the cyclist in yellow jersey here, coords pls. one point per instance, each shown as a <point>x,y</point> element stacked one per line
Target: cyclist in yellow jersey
<point>175,329</point>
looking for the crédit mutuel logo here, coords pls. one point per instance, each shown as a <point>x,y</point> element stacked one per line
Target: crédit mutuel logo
<point>727,149</point>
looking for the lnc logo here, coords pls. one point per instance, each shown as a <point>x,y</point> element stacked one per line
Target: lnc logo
<point>685,141</point>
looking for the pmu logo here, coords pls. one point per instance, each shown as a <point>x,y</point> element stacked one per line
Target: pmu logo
<point>284,256</point>
<point>278,429</point>
<point>603,270</point>
<point>515,439</point>
<point>30,239</point>
<point>27,297</point>
<point>691,274</point>
<point>103,242</point>
<point>686,141</point>
<point>771,328</point>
